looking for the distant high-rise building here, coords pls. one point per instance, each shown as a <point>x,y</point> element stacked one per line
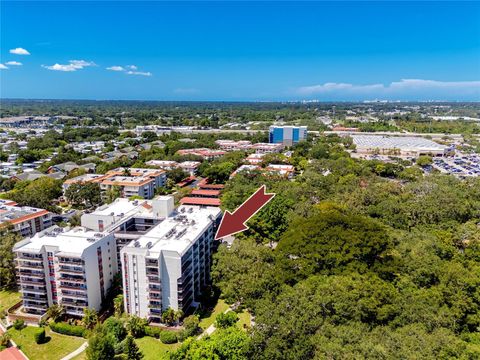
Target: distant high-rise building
<point>287,135</point>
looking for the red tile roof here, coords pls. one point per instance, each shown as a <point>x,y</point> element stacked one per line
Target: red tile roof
<point>11,353</point>
<point>203,192</point>
<point>200,201</point>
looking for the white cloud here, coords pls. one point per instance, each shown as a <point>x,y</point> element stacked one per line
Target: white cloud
<point>400,89</point>
<point>13,63</point>
<point>142,73</point>
<point>129,70</point>
<point>73,65</point>
<point>116,68</point>
<point>3,67</point>
<point>19,51</point>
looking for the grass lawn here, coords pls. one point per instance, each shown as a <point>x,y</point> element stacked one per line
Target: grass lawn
<point>7,299</point>
<point>209,318</point>
<point>244,319</point>
<point>154,349</point>
<point>56,348</point>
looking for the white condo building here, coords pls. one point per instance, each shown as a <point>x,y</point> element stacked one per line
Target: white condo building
<point>74,268</point>
<point>128,219</point>
<point>170,264</point>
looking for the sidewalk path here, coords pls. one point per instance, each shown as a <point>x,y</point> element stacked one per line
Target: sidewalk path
<point>76,352</point>
<point>211,328</point>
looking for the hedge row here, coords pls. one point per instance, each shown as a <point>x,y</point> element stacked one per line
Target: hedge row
<point>168,337</point>
<point>67,329</point>
<point>153,331</point>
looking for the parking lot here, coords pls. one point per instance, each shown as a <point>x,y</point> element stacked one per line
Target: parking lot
<point>466,165</point>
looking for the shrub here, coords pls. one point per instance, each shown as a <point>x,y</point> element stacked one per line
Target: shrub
<point>225,320</point>
<point>40,336</point>
<point>18,324</point>
<point>153,331</point>
<point>67,329</point>
<point>5,339</point>
<point>168,337</point>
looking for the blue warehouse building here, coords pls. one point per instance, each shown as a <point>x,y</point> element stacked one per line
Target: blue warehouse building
<point>287,135</point>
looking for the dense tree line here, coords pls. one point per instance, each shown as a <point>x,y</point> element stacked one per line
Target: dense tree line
<point>357,262</point>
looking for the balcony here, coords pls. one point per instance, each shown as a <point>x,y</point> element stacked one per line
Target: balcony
<point>74,312</point>
<point>155,306</point>
<point>34,298</point>
<point>72,287</point>
<point>29,257</point>
<point>76,279</point>
<point>29,265</point>
<point>78,303</point>
<point>35,307</point>
<point>156,312</point>
<point>29,273</point>
<point>153,279</point>
<point>28,281</point>
<point>25,291</point>
<point>70,270</point>
<point>70,261</point>
<point>151,264</point>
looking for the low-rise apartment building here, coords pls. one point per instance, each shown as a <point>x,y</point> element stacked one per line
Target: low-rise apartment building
<point>131,181</point>
<point>232,145</point>
<point>73,267</point>
<point>188,166</point>
<point>25,220</point>
<point>204,153</point>
<point>169,266</point>
<point>266,148</point>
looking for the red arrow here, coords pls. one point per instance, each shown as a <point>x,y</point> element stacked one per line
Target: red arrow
<point>233,223</point>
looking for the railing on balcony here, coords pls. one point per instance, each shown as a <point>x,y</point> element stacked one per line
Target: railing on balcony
<point>72,286</point>
<point>69,294</point>
<point>35,307</point>
<point>73,261</point>
<point>32,290</point>
<point>151,263</point>
<point>30,297</point>
<point>26,264</point>
<point>31,257</point>
<point>78,303</point>
<point>31,273</point>
<point>77,270</point>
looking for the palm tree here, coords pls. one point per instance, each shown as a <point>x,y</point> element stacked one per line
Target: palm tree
<point>118,305</point>
<point>90,318</point>
<point>55,312</point>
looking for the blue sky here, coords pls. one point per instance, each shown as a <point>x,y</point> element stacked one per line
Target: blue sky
<point>240,50</point>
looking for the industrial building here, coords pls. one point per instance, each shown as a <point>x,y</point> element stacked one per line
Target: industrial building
<point>397,145</point>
